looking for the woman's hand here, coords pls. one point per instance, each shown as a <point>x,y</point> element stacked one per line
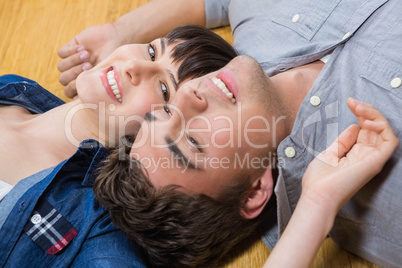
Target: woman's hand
<point>358,154</point>
<point>331,179</point>
<point>84,51</point>
<point>141,25</point>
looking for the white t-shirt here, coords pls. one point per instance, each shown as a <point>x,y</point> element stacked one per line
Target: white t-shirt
<point>4,189</point>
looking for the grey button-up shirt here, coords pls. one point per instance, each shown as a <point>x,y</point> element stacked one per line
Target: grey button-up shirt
<point>364,40</point>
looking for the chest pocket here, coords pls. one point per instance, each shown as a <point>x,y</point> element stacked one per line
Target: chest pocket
<point>48,229</point>
<point>306,18</point>
<point>383,66</point>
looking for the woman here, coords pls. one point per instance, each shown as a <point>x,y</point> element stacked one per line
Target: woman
<point>112,99</point>
<point>52,218</point>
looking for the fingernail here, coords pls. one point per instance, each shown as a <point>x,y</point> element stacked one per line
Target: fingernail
<point>356,101</point>
<point>80,48</point>
<point>86,66</point>
<point>84,56</point>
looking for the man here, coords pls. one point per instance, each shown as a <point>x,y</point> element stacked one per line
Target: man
<point>199,169</point>
<point>359,43</point>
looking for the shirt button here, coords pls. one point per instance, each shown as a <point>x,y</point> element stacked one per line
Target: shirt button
<point>347,35</point>
<point>295,18</point>
<point>36,219</point>
<point>396,82</point>
<point>290,152</point>
<point>315,101</point>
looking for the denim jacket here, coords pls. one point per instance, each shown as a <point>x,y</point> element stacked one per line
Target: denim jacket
<point>58,222</point>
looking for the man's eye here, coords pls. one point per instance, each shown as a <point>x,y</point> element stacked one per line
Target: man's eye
<point>165,92</point>
<point>166,109</point>
<point>151,52</point>
<point>194,142</point>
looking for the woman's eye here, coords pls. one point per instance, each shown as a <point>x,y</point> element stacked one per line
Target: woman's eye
<point>165,93</point>
<point>166,109</point>
<point>151,52</point>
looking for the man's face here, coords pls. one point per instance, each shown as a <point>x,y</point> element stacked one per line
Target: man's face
<point>207,138</point>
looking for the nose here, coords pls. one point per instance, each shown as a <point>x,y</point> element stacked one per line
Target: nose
<point>190,101</point>
<point>139,71</point>
<point>188,104</point>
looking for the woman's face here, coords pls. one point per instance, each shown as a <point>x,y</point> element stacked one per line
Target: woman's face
<point>132,81</point>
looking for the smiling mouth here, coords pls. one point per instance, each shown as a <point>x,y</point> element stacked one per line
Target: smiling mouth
<point>222,86</point>
<point>113,84</point>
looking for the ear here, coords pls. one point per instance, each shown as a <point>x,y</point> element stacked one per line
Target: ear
<point>258,196</point>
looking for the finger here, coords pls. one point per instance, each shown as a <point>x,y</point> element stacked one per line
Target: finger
<point>70,90</point>
<point>385,139</point>
<point>377,126</point>
<point>374,121</point>
<point>341,145</point>
<point>352,104</point>
<point>72,73</point>
<point>69,49</point>
<point>376,132</point>
<point>73,60</point>
<point>345,141</point>
<point>373,130</point>
<point>365,110</point>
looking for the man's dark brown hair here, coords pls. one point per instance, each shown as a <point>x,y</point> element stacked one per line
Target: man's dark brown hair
<point>175,229</point>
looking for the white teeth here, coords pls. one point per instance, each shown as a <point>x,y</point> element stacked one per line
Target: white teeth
<point>222,86</point>
<point>224,89</point>
<point>113,85</point>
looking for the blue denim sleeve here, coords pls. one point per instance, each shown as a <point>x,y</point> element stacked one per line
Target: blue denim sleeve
<point>21,91</point>
<point>12,78</point>
<point>112,249</point>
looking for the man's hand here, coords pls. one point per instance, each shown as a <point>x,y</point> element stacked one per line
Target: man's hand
<point>84,51</point>
<point>358,154</point>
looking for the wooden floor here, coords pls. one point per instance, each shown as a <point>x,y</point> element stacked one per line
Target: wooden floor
<point>31,33</point>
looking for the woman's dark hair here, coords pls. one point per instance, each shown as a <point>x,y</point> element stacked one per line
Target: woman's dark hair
<point>175,229</point>
<point>201,51</point>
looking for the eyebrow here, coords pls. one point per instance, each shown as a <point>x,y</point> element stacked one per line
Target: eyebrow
<point>174,81</point>
<point>172,78</point>
<point>177,154</point>
<point>163,45</point>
